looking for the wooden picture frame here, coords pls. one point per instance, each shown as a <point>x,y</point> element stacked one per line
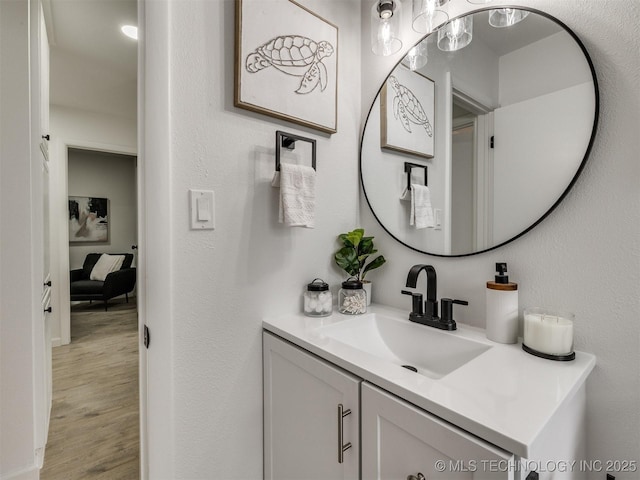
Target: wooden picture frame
<point>286,63</point>
<point>407,113</point>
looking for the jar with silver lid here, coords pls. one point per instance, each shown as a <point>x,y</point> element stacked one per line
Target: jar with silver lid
<point>352,299</point>
<point>318,300</point>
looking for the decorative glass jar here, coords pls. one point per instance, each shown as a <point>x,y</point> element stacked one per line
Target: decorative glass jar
<point>352,299</point>
<point>318,301</point>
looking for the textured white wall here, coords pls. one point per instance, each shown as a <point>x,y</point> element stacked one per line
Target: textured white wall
<point>216,286</point>
<point>586,256</point>
<point>82,83</point>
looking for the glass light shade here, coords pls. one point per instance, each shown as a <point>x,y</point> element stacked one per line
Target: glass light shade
<point>130,31</point>
<point>456,34</point>
<point>427,16</point>
<point>416,57</point>
<point>505,17</point>
<point>385,27</point>
<point>479,2</point>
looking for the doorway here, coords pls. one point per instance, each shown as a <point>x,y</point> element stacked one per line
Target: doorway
<point>463,167</point>
<point>471,174</point>
<point>94,104</point>
<point>102,215</point>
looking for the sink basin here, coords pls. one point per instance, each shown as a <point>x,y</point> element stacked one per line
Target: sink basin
<point>429,351</point>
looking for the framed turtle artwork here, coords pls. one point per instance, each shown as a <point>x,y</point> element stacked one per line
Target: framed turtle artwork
<point>286,63</point>
<point>407,113</point>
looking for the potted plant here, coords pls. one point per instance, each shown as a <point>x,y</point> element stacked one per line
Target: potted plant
<point>353,256</point>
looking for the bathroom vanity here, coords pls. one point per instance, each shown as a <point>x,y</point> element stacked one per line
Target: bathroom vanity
<point>376,396</point>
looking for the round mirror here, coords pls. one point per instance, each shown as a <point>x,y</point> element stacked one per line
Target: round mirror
<point>498,126</point>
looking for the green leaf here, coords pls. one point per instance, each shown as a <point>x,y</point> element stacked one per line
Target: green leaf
<point>345,240</point>
<point>355,236</point>
<point>347,259</point>
<point>366,246</point>
<point>375,263</point>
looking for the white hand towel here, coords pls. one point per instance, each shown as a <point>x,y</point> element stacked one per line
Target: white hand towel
<point>421,211</point>
<point>297,195</point>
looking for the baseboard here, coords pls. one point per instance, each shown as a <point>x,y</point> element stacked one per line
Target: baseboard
<point>56,342</point>
<point>30,473</point>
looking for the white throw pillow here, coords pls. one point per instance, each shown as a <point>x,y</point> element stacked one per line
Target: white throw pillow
<point>105,265</point>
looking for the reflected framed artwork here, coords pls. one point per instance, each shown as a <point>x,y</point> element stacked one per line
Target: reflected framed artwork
<point>88,219</point>
<point>407,106</point>
<point>286,63</point>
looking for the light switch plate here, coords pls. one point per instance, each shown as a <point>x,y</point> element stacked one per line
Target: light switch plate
<point>202,209</point>
<point>438,218</point>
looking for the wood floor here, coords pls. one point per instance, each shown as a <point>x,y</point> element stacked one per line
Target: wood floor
<point>93,433</point>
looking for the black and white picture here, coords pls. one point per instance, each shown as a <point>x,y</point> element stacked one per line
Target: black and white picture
<point>286,63</point>
<point>88,219</point>
<point>407,113</point>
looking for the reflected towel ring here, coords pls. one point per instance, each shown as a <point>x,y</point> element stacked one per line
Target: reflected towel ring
<point>408,166</point>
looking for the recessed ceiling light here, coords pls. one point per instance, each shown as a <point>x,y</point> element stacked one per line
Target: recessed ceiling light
<point>130,31</point>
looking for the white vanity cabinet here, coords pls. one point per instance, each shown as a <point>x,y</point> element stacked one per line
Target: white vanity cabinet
<point>317,418</point>
<point>311,415</point>
<point>503,414</point>
<point>400,441</point>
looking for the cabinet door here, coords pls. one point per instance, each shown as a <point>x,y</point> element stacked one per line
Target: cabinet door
<point>304,436</point>
<point>400,441</point>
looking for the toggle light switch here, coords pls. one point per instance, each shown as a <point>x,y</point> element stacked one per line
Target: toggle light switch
<point>202,209</point>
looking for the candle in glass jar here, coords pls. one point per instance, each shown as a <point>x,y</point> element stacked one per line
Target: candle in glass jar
<point>548,332</point>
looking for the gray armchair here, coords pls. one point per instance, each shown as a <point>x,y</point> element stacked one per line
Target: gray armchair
<point>115,284</point>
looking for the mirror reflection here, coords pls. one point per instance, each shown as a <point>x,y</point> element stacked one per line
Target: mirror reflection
<point>497,128</point>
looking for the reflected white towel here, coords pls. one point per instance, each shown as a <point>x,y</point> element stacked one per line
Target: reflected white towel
<point>421,211</point>
<point>297,195</point>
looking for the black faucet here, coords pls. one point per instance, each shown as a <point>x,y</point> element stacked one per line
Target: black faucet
<point>429,314</point>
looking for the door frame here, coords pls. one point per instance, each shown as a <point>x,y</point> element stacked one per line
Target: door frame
<point>62,246</point>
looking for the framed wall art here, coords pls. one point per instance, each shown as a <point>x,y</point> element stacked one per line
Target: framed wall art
<point>407,121</point>
<point>88,219</point>
<point>286,63</point>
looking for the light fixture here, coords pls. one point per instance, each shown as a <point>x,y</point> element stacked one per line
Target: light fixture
<point>505,17</point>
<point>130,31</point>
<point>385,27</point>
<point>416,57</point>
<point>427,15</point>
<point>456,34</point>
<point>479,2</point>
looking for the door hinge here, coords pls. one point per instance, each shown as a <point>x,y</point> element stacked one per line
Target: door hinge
<point>491,142</point>
<point>146,338</point>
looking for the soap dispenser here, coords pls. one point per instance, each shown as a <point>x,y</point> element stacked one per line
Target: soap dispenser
<point>502,307</point>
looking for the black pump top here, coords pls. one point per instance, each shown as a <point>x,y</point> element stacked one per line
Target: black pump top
<point>501,269</point>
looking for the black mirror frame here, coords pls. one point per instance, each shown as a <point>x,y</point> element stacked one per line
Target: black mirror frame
<point>571,183</point>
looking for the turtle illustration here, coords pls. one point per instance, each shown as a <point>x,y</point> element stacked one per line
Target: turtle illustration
<point>293,55</point>
<point>407,108</point>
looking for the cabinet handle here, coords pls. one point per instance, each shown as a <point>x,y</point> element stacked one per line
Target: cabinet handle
<point>342,447</point>
<point>419,476</point>
<point>48,310</point>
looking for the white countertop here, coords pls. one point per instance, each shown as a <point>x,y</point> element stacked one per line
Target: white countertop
<point>504,395</point>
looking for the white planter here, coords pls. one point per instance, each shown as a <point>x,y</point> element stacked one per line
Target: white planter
<point>366,285</point>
